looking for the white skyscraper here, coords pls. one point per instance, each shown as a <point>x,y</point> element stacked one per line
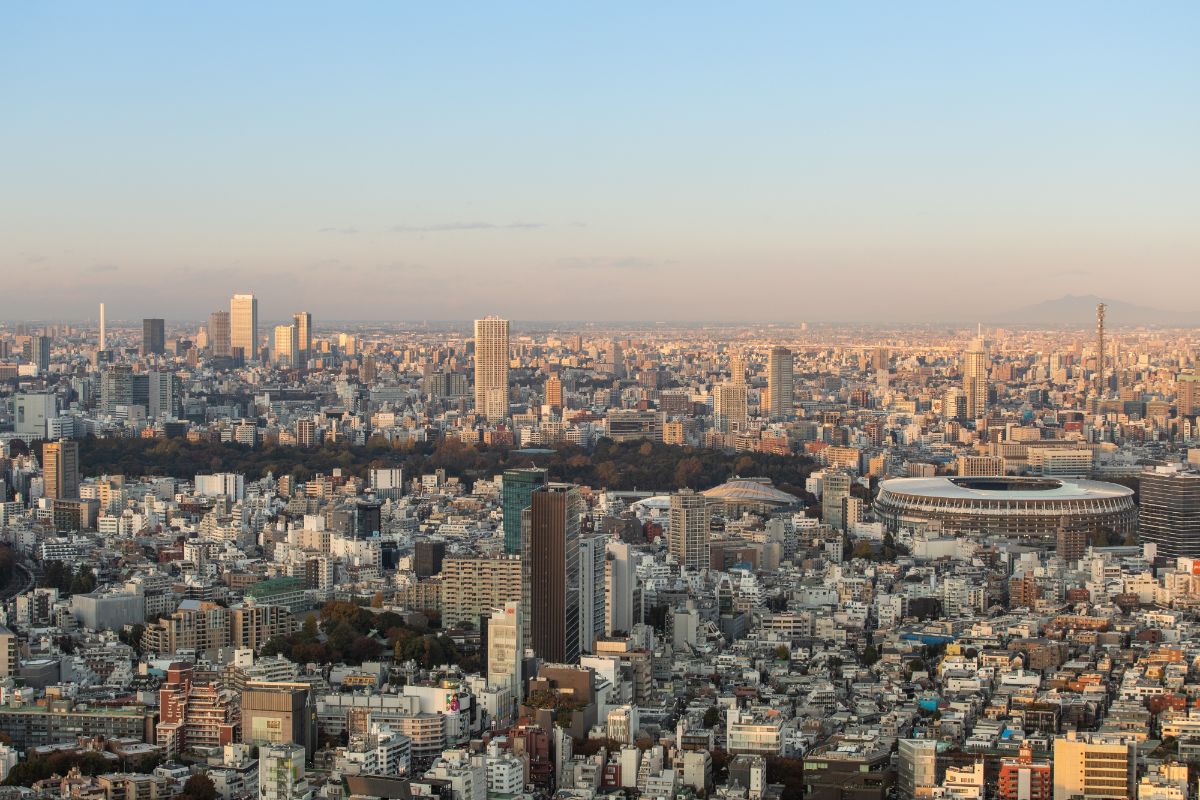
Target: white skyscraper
<point>243,325</point>
<point>591,590</point>
<point>103,332</point>
<point>505,649</point>
<point>491,368</point>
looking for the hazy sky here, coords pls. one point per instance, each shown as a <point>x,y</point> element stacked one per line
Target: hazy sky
<point>801,160</point>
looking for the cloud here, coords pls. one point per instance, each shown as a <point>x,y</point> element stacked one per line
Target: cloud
<point>399,266</point>
<point>1071,273</point>
<point>335,229</point>
<point>103,268</point>
<point>34,258</point>
<point>621,262</point>
<point>465,226</point>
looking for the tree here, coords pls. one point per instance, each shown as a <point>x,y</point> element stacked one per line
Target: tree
<point>199,787</point>
<point>782,653</point>
<point>870,655</point>
<point>862,549</point>
<point>711,717</point>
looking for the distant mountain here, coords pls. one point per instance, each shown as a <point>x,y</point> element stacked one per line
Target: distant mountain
<point>1080,310</point>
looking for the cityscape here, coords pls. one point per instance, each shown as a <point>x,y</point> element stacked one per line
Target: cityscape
<point>629,402</point>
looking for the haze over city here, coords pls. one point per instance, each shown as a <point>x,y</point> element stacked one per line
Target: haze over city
<point>885,162</point>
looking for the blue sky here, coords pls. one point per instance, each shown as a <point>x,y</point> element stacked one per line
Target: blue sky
<point>614,161</point>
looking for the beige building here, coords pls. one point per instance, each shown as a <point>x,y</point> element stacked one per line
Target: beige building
<point>474,587</point>
<point>60,469</point>
<point>687,535</point>
<point>1088,766</point>
<point>780,384</point>
<point>243,325</point>
<point>491,368</point>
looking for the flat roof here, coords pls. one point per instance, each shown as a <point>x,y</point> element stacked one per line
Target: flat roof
<point>1005,488</point>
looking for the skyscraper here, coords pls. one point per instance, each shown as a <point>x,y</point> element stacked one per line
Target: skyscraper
<point>103,342</point>
<point>554,392</point>
<point>687,534</point>
<point>154,337</point>
<point>518,486</point>
<point>1187,387</point>
<point>737,368</point>
<point>729,406</point>
<point>834,493</point>
<point>218,334</point>
<point>243,325</point>
<point>287,346</point>
<point>1169,511</point>
<point>550,572</point>
<point>303,323</point>
<point>975,379</point>
<point>780,383</point>
<point>491,368</point>
<point>37,351</point>
<point>591,590</point>
<point>505,648</point>
<point>60,469</point>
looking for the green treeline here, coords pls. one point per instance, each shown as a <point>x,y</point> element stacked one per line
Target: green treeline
<point>627,465</point>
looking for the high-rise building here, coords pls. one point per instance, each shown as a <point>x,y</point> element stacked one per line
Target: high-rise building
<point>835,489</point>
<point>550,572</point>
<point>218,334</point>
<point>518,486</point>
<point>688,526</point>
<point>622,597</point>
<point>472,587</point>
<point>243,325</point>
<point>491,368</point>
<point>975,379</point>
<point>60,469</point>
<point>505,648</point>
<point>287,346</point>
<point>729,407</point>
<point>1169,511</point>
<point>554,392</point>
<point>427,558</point>
<point>154,337</point>
<point>737,368</point>
<point>1188,390</point>
<point>8,653</point>
<point>591,590</point>
<point>36,350</point>
<point>780,383</point>
<point>102,342</point>
<point>302,320</point>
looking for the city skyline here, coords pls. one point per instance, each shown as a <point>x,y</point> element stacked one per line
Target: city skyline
<point>936,162</point>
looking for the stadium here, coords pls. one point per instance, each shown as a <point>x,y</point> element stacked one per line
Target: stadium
<point>1027,509</point>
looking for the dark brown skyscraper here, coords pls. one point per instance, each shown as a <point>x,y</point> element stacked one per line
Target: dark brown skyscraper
<point>550,572</point>
<point>154,337</point>
<point>428,558</point>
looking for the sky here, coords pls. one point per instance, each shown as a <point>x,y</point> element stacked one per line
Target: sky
<point>915,161</point>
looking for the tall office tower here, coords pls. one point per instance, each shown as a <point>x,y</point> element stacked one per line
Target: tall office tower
<point>517,488</point>
<point>1187,387</point>
<point>428,557</point>
<point>781,387</point>
<point>281,772</point>
<point>243,325</point>
<point>591,590</point>
<point>954,403</point>
<point>687,532</point>
<point>975,379</point>
<point>729,407</point>
<point>550,572</point>
<point>554,392</point>
<point>287,346</point>
<point>218,334</point>
<point>835,489</point>
<point>505,649</point>
<point>622,600</point>
<point>881,359</point>
<point>1101,383</point>
<point>1169,511</point>
<point>491,368</point>
<point>737,368</point>
<point>302,320</point>
<point>37,351</point>
<point>60,469</point>
<point>154,337</point>
<point>103,342</point>
<point>162,394</point>
<point>615,365</point>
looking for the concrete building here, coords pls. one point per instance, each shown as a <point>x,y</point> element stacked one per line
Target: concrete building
<point>491,368</point>
<point>688,527</point>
